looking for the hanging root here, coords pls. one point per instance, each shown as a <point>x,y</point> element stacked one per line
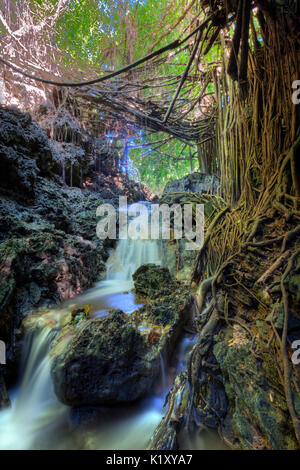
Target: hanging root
<point>232,68</point>
<point>202,291</point>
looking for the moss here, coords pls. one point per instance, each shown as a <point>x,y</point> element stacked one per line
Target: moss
<point>151,281</point>
<point>263,329</point>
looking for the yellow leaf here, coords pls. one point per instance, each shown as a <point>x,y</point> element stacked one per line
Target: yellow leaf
<point>87,309</point>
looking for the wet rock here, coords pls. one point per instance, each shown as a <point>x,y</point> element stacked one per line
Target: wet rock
<point>259,411</point>
<point>4,398</point>
<point>117,359</point>
<point>104,363</point>
<point>195,183</point>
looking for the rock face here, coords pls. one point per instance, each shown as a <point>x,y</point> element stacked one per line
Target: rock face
<point>104,363</point>
<point>85,161</point>
<point>117,359</point>
<point>247,384</point>
<point>24,152</point>
<point>195,183</point>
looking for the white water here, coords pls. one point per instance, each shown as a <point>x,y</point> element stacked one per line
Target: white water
<point>37,420</point>
<point>113,292</point>
<point>35,407</point>
<point>129,256</point>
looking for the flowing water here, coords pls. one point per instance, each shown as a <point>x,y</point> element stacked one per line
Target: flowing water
<point>37,420</point>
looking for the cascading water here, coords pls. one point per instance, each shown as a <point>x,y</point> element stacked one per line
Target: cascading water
<point>129,256</point>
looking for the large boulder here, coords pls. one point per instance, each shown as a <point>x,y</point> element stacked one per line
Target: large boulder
<point>103,363</point>
<point>116,359</point>
<point>195,183</point>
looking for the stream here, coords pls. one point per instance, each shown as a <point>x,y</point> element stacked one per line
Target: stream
<point>37,420</point>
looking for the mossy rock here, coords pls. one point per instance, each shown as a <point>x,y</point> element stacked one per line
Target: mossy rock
<point>153,281</point>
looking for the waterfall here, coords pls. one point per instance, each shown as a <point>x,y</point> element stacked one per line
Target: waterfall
<point>124,260</point>
<point>130,254</point>
<point>184,351</point>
